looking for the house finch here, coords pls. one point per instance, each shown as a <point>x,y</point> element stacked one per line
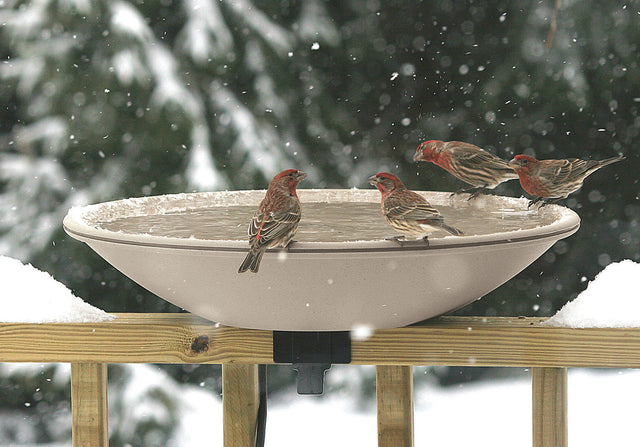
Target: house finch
<point>554,179</point>
<point>276,220</point>
<point>406,211</point>
<point>469,163</point>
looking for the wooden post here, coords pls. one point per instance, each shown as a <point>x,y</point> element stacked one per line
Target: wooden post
<point>240,400</point>
<point>394,391</point>
<point>549,407</point>
<point>89,411</point>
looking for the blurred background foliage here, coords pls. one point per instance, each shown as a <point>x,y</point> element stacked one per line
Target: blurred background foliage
<point>104,99</point>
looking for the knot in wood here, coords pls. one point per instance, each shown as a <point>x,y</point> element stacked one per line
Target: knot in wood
<point>200,344</point>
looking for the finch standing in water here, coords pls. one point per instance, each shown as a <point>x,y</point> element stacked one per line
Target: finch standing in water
<point>469,163</point>
<point>554,179</point>
<point>406,211</point>
<point>276,220</point>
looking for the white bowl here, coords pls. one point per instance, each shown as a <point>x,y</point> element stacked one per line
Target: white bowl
<point>318,286</point>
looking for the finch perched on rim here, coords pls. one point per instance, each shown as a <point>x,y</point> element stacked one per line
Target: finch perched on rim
<point>406,211</point>
<point>554,179</point>
<point>469,163</point>
<point>276,219</point>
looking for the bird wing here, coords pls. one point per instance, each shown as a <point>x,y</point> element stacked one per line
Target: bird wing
<point>269,226</point>
<point>562,171</point>
<point>471,154</point>
<point>416,208</point>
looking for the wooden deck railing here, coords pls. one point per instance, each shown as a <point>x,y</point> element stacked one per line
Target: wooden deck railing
<point>451,341</point>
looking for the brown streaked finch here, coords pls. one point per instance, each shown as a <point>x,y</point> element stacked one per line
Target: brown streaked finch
<point>406,211</point>
<point>548,180</point>
<point>276,219</point>
<point>467,162</point>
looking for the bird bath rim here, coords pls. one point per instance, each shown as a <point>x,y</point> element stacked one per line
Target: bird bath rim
<point>82,222</point>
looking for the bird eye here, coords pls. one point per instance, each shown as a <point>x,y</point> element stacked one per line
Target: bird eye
<point>291,174</point>
<point>382,177</point>
<point>524,161</point>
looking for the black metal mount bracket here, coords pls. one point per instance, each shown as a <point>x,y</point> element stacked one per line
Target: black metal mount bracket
<point>311,354</point>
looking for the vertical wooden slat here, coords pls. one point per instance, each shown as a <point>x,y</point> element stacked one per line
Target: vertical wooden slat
<point>240,400</point>
<point>89,405</point>
<point>549,387</point>
<point>394,391</point>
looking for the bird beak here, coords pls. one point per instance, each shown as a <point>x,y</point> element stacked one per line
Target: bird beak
<point>301,175</point>
<point>416,156</point>
<point>515,164</point>
<point>373,180</point>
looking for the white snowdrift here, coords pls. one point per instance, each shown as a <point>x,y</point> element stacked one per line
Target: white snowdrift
<point>33,296</point>
<point>612,300</point>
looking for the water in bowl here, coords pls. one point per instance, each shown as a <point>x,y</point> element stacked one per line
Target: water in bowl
<point>329,222</point>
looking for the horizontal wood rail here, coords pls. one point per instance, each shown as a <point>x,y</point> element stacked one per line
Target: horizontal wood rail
<point>445,341</point>
<point>449,341</point>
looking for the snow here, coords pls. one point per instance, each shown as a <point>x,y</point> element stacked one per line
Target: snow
<point>30,226</point>
<point>498,413</point>
<point>28,72</point>
<point>280,39</point>
<point>611,300</point>
<point>170,88</point>
<point>316,23</point>
<point>79,6</point>
<point>26,21</point>
<point>126,19</point>
<point>128,67</point>
<point>205,33</point>
<point>138,401</point>
<point>201,171</point>
<point>258,144</point>
<point>34,296</point>
<point>52,132</point>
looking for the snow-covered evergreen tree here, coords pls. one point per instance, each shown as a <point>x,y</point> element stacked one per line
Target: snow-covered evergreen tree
<point>109,103</point>
<point>109,99</point>
<point>105,99</point>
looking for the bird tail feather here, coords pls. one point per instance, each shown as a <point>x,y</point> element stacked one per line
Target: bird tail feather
<point>251,262</point>
<point>608,161</point>
<point>450,229</point>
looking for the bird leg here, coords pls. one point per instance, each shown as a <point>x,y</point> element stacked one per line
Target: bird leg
<point>474,192</point>
<point>533,202</point>
<point>549,201</point>
<point>478,191</point>
<point>426,239</point>
<point>400,239</point>
<point>460,191</point>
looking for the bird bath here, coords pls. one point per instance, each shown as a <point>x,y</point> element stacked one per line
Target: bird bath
<point>339,274</point>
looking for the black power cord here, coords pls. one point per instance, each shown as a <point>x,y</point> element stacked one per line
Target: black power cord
<point>261,424</point>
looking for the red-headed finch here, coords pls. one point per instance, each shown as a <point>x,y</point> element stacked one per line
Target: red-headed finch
<point>469,163</point>
<point>406,211</point>
<point>276,219</point>
<point>554,179</point>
